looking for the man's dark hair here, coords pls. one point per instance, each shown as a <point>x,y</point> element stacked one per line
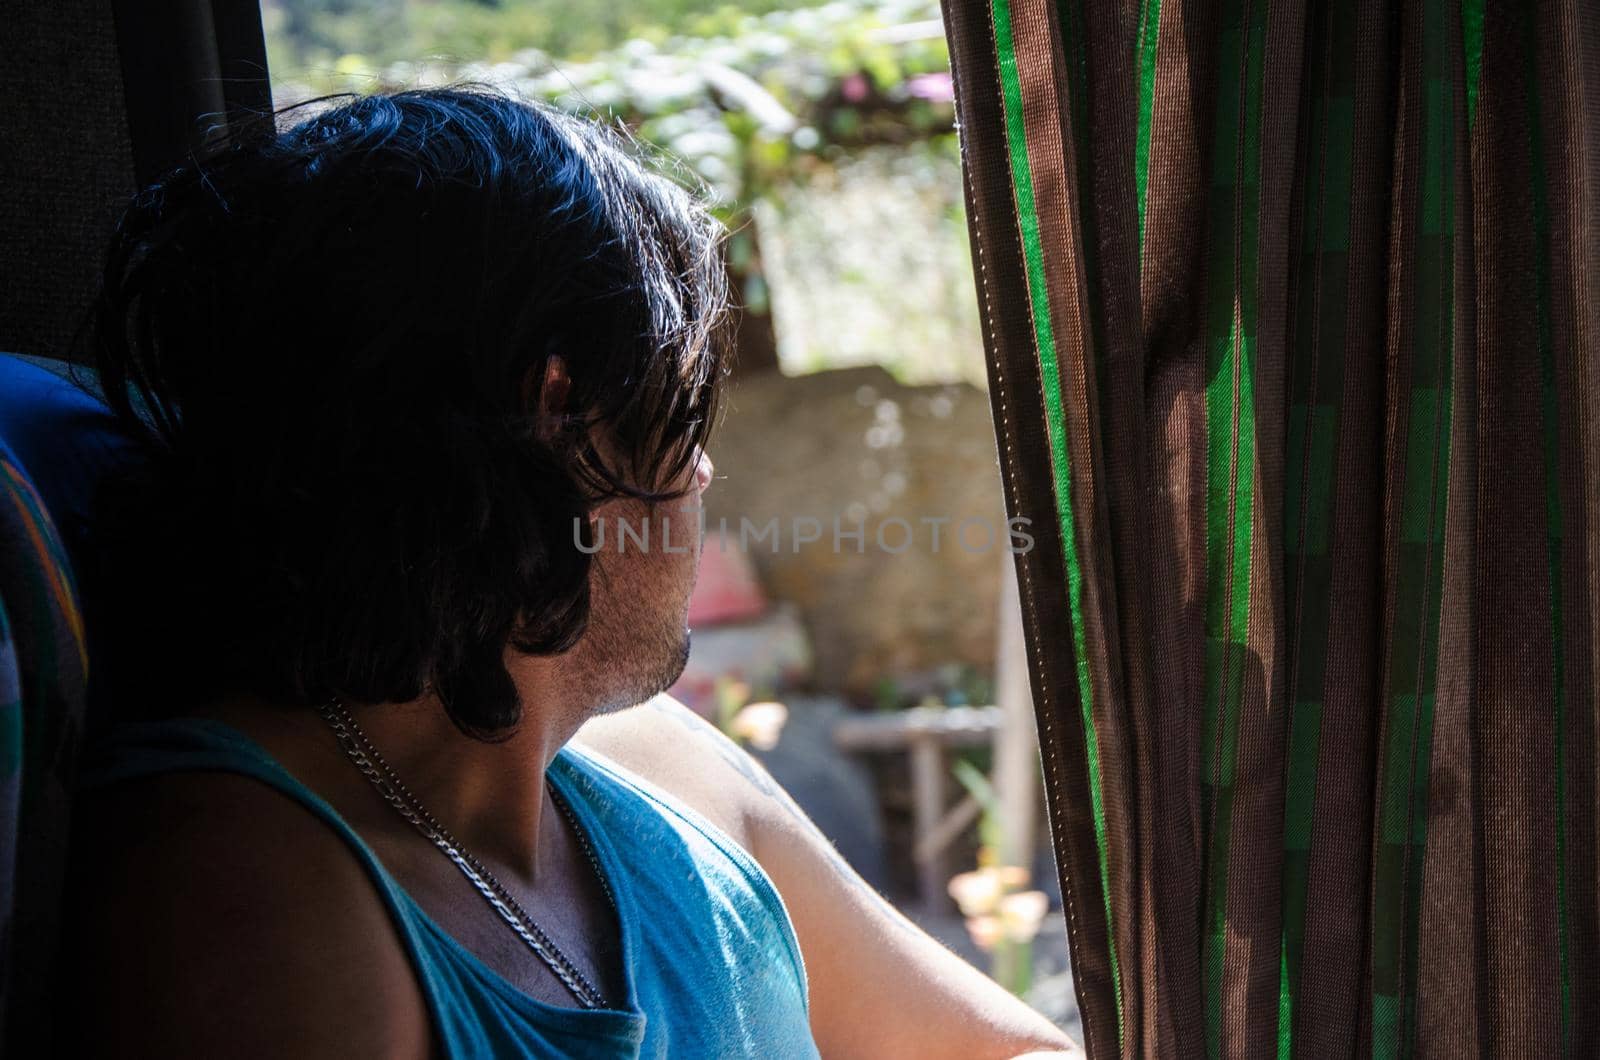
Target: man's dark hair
<point>334,341</point>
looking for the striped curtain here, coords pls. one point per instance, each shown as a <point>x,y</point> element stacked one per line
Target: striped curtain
<point>1292,313</point>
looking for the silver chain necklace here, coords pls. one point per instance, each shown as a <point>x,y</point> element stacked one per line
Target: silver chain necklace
<point>360,750</point>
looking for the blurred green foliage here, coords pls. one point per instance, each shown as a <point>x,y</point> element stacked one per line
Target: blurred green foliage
<point>308,33</point>
<point>756,104</point>
<point>748,101</point>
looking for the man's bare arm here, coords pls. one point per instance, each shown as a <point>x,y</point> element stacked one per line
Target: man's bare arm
<point>880,986</point>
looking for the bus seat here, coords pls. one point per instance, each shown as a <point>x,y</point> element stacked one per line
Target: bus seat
<point>55,442</point>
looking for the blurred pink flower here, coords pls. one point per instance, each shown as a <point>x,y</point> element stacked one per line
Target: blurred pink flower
<point>760,724</point>
<point>983,890</point>
<point>1022,913</point>
<point>977,892</point>
<point>986,931</point>
<point>935,87</point>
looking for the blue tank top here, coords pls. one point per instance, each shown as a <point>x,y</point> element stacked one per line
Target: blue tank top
<point>710,958</point>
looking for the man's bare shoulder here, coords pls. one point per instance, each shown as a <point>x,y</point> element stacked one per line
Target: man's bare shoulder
<point>677,750</point>
<point>213,915</point>
<point>867,965</point>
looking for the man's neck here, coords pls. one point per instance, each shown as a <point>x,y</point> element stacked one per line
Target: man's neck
<point>490,795</point>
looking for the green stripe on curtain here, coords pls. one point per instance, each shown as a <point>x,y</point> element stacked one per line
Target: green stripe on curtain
<point>1230,465</point>
<point>1472,47</point>
<point>1149,26</point>
<point>1050,379</point>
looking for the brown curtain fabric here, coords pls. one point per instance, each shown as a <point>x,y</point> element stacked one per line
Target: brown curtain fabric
<point>1294,346</point>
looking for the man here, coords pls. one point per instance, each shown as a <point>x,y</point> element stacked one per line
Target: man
<point>383,366</point>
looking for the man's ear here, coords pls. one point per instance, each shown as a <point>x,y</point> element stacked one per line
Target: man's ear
<point>546,396</point>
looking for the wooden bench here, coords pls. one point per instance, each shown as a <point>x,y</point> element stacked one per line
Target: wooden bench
<point>926,734</point>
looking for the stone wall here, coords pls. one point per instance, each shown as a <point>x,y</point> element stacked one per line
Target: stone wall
<point>856,446</point>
